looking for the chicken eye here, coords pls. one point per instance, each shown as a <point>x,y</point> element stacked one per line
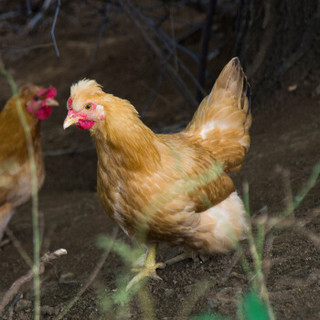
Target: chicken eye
<point>88,106</point>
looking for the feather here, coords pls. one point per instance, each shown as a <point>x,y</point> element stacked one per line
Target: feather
<point>222,121</point>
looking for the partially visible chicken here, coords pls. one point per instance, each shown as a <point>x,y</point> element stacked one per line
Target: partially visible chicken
<point>170,187</point>
<point>15,176</point>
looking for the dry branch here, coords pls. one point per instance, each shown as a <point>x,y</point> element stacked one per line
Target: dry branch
<point>28,276</point>
<point>53,27</point>
<point>206,35</point>
<point>190,99</point>
<point>34,47</point>
<point>39,16</point>
<point>170,45</point>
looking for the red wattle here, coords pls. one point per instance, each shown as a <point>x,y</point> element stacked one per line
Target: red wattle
<point>44,112</point>
<point>85,124</point>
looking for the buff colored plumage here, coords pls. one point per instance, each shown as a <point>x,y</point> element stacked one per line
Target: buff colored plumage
<point>170,187</point>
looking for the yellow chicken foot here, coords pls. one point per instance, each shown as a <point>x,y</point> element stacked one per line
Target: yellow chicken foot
<point>149,268</point>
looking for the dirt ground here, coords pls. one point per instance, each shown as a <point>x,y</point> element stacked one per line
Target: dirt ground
<point>285,142</point>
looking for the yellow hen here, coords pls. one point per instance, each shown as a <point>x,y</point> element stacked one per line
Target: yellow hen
<point>170,187</point>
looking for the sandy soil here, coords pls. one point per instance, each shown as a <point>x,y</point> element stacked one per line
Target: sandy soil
<point>285,139</point>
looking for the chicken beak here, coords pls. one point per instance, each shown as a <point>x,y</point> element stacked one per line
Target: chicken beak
<point>69,121</point>
<point>52,102</point>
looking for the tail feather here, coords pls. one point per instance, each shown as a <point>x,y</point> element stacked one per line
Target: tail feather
<point>222,121</point>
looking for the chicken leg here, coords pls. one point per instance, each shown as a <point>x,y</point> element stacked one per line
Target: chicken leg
<point>149,268</point>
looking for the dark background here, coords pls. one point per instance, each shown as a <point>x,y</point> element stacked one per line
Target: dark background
<point>163,56</point>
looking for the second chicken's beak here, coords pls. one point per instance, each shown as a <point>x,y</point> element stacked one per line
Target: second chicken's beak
<point>69,121</point>
<point>52,102</point>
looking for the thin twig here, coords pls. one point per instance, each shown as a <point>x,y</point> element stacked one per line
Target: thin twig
<point>9,15</point>
<point>53,27</point>
<point>37,46</point>
<point>34,191</point>
<point>153,94</point>
<point>91,278</point>
<point>205,46</point>
<point>11,305</point>
<point>235,259</point>
<point>37,18</point>
<point>298,225</point>
<point>28,276</point>
<point>171,46</point>
<point>195,28</point>
<point>298,198</point>
<point>267,261</point>
<point>28,5</point>
<point>261,283</point>
<point>19,247</point>
<point>171,71</point>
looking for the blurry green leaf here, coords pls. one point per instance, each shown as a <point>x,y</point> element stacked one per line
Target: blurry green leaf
<point>255,308</point>
<point>105,303</point>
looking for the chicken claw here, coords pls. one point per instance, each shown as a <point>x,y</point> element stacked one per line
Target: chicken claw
<point>149,268</point>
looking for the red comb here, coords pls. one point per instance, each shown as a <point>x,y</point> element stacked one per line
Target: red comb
<point>52,92</point>
<point>42,92</point>
<point>70,102</point>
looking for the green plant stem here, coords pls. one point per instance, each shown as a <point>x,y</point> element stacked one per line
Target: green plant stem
<point>34,192</point>
<point>301,195</point>
<point>146,303</point>
<point>257,260</point>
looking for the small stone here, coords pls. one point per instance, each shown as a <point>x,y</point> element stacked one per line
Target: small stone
<point>292,87</point>
<point>67,278</point>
